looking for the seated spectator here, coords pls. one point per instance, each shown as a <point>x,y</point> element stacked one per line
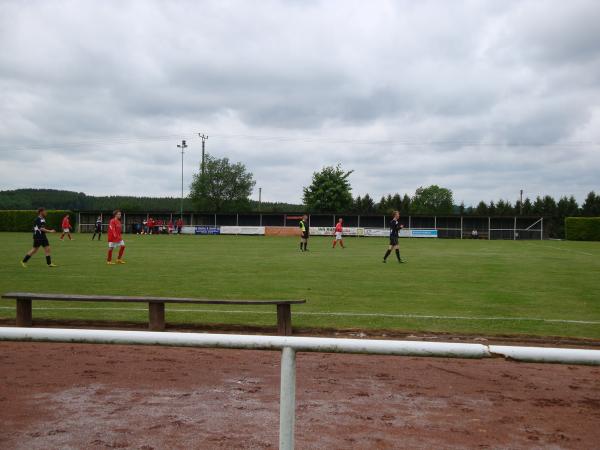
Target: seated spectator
<point>474,234</point>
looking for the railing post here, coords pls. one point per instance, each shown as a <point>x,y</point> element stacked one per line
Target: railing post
<point>287,399</point>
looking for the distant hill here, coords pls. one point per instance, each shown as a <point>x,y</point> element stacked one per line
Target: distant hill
<point>78,201</point>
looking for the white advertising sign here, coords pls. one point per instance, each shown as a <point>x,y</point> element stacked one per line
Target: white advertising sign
<point>243,230</point>
<point>329,231</point>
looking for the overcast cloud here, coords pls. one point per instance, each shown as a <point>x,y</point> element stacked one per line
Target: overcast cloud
<point>482,97</point>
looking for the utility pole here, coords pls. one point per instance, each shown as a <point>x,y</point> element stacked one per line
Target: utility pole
<point>204,138</point>
<point>182,146</point>
<point>259,198</point>
<point>521,204</point>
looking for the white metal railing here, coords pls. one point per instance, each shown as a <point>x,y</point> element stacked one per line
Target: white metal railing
<point>289,346</point>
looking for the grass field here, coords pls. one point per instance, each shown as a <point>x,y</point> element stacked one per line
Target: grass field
<point>548,288</point>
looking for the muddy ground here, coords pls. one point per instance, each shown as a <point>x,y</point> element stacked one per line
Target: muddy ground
<point>101,396</point>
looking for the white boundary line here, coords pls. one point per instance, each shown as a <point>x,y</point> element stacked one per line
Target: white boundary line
<point>563,249</point>
<point>327,314</point>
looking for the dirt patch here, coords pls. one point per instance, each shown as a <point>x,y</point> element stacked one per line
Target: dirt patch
<point>100,396</point>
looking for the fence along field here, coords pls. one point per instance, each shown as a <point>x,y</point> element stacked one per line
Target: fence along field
<point>545,288</point>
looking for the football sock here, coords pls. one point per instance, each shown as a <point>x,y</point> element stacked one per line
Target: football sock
<point>387,254</point>
<point>122,250</point>
<point>109,255</point>
<point>305,244</point>
<point>334,242</point>
<point>300,245</point>
<point>398,254</point>
<point>48,260</point>
<point>27,258</point>
<point>342,244</point>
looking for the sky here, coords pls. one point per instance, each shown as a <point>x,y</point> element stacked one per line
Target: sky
<point>482,97</point>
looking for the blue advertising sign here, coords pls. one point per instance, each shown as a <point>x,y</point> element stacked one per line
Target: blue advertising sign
<point>207,230</point>
<point>423,233</point>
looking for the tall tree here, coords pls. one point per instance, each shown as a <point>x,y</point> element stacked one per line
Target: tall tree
<point>432,200</point>
<point>527,207</point>
<point>482,209</point>
<point>405,206</point>
<point>591,206</point>
<point>368,205</point>
<point>330,190</point>
<point>504,208</point>
<point>223,186</point>
<point>567,207</point>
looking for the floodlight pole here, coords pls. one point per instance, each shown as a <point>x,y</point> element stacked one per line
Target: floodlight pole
<point>182,146</point>
<point>521,204</point>
<point>204,138</point>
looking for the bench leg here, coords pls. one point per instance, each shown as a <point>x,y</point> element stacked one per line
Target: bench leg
<point>284,320</point>
<point>157,316</point>
<point>24,312</point>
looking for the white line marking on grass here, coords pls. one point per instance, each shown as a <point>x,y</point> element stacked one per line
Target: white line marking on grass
<point>329,314</point>
<point>572,251</point>
<point>563,249</point>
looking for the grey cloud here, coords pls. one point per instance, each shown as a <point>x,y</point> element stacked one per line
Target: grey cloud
<point>480,96</point>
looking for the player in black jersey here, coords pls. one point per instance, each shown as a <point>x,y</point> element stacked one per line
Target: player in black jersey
<point>98,229</point>
<point>40,239</point>
<point>395,227</point>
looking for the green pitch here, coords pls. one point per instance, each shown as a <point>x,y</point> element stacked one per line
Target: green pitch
<point>488,287</point>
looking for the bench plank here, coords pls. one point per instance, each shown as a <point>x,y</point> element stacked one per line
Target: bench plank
<point>121,298</point>
<point>156,306</point>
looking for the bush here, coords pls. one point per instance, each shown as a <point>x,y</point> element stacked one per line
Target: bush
<point>23,220</point>
<point>582,228</point>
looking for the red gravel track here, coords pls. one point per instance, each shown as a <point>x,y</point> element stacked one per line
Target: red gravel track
<point>100,396</point>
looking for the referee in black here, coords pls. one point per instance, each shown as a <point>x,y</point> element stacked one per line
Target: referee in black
<point>98,229</point>
<point>304,233</point>
<point>40,239</point>
<point>395,227</point>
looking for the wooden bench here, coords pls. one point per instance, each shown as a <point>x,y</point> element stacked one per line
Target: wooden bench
<point>156,306</point>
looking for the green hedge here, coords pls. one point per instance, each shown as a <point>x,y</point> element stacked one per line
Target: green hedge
<point>582,228</point>
<point>23,220</point>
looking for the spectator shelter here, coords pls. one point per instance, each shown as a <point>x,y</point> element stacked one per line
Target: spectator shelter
<point>449,226</point>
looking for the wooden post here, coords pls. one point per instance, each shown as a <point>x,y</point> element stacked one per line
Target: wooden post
<point>156,316</point>
<point>284,320</point>
<point>24,318</point>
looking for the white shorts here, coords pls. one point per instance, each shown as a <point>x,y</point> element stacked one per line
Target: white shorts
<point>338,236</point>
<point>66,230</point>
<point>116,244</point>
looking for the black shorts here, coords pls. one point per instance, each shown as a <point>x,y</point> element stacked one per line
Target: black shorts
<point>305,235</point>
<point>393,240</point>
<point>41,242</point>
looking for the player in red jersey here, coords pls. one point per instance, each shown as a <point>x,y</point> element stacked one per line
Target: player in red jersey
<point>115,238</point>
<point>66,227</point>
<point>339,228</point>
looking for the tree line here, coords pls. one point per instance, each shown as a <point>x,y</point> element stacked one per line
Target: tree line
<point>21,199</point>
